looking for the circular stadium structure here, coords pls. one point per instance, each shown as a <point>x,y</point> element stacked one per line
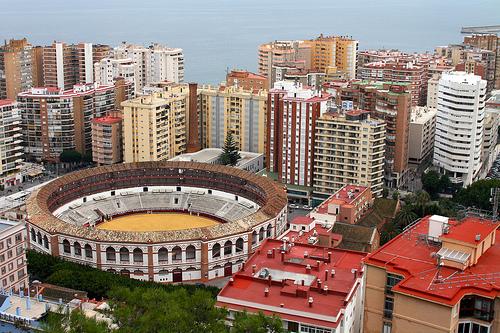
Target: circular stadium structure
<point>157,221</point>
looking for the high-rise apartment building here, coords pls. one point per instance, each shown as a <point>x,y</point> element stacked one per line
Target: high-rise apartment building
<point>490,136</point>
<point>439,275</point>
<point>154,126</point>
<point>413,74</point>
<point>55,120</point>
<point>66,65</point>
<point>338,52</point>
<point>421,135</point>
<point>16,68</point>
<point>489,42</point>
<point>155,63</point>
<point>322,54</point>
<point>349,148</point>
<point>390,102</point>
<point>107,139</point>
<point>107,70</point>
<point>247,80</point>
<point>236,110</point>
<point>296,51</point>
<point>459,126</point>
<point>11,148</point>
<point>291,124</point>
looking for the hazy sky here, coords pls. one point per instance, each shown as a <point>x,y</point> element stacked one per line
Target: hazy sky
<point>216,34</point>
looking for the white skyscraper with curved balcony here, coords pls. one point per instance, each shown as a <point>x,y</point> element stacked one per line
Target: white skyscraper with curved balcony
<point>459,126</point>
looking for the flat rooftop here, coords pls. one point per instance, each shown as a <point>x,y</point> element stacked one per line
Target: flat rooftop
<point>291,278</point>
<point>411,256</point>
<point>211,155</point>
<point>345,196</point>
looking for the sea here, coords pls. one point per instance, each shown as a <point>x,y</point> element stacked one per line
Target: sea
<point>217,35</point>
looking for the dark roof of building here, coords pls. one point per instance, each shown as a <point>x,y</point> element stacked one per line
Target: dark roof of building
<point>354,237</point>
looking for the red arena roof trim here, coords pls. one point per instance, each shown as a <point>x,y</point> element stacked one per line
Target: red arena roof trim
<point>414,258</point>
<point>285,282</point>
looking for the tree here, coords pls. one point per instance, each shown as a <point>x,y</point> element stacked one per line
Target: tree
<point>74,322</point>
<point>405,216</point>
<point>395,195</point>
<point>230,154</point>
<point>250,323</point>
<point>477,194</point>
<point>385,192</point>
<point>431,183</point>
<point>70,156</point>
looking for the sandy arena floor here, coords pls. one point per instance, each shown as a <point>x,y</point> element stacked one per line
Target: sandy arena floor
<point>157,222</point>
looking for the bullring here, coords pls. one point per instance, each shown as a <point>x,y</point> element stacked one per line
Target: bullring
<point>66,218</point>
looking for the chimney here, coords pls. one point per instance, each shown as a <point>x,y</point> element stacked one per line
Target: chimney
<point>282,305</point>
<point>193,139</point>
<point>302,282</point>
<point>269,280</point>
<point>254,268</point>
<point>308,269</point>
<point>266,292</point>
<point>306,254</point>
<point>243,266</point>
<point>332,273</point>
<point>282,256</point>
<point>231,281</point>
<point>354,271</point>
<point>319,283</point>
<point>329,257</point>
<point>325,288</point>
<point>310,302</point>
<point>326,275</point>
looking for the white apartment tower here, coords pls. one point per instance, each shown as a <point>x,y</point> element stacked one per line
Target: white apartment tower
<point>459,126</point>
<point>108,69</point>
<point>155,63</point>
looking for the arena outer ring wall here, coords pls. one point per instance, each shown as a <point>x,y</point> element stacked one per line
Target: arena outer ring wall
<point>162,256</point>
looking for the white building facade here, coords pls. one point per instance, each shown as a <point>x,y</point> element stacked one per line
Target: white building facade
<point>459,126</point>
<point>108,69</point>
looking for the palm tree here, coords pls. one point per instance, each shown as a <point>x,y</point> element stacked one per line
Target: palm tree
<point>404,217</point>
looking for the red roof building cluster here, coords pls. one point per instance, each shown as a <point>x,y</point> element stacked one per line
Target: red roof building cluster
<point>305,285</point>
<point>464,259</point>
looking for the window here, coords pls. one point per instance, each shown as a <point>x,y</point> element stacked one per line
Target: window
<point>162,255</point>
<point>88,251</point>
<point>124,254</point>
<point>66,246</point>
<point>388,307</point>
<point>110,254</point>
<point>190,252</point>
<point>476,307</point>
<point>470,327</point>
<point>78,249</point>
<point>392,280</point>
<point>239,245</point>
<point>177,253</point>
<point>138,255</point>
<point>228,248</point>
<point>216,250</point>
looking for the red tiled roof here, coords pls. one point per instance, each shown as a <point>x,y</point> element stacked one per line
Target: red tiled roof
<point>247,290</point>
<point>302,220</point>
<point>107,120</point>
<point>411,256</point>
<point>4,102</point>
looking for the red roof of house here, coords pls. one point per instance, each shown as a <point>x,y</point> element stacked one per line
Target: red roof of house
<point>341,197</point>
<point>286,299</point>
<point>411,256</point>
<point>4,102</point>
<point>468,231</point>
<point>302,220</point>
<point>107,120</point>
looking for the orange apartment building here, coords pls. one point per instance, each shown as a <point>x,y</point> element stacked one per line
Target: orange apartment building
<point>438,276</point>
<point>489,42</point>
<point>18,71</point>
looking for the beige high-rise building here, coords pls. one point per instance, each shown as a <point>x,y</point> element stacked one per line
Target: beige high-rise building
<point>349,149</point>
<point>288,51</point>
<point>16,68</point>
<point>154,126</point>
<point>421,134</point>
<point>242,112</point>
